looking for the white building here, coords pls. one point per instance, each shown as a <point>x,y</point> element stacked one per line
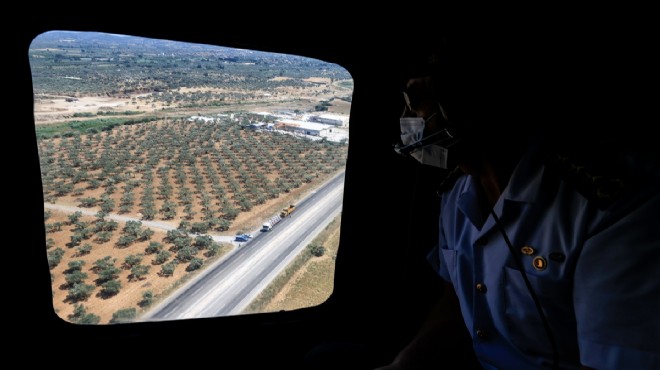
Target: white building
<point>303,127</point>
<point>331,119</point>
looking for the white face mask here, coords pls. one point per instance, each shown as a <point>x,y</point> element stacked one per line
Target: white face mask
<point>412,129</point>
<point>432,155</point>
<point>412,133</point>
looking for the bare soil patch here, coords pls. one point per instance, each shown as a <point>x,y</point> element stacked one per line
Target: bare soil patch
<point>133,290</point>
<point>50,108</point>
<point>310,286</point>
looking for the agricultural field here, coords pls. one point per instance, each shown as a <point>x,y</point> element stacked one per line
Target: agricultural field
<point>149,155</point>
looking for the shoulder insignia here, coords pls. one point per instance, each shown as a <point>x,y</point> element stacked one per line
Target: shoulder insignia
<point>595,183</point>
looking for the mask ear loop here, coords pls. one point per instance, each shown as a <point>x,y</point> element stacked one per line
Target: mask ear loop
<point>406,107</point>
<point>403,114</point>
<point>442,111</point>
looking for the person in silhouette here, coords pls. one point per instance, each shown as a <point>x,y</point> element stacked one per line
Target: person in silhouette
<point>548,236</point>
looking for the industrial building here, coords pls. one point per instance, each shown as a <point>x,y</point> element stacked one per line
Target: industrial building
<point>303,127</point>
<point>330,119</point>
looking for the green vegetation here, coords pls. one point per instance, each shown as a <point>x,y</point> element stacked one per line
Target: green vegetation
<point>73,128</point>
<point>199,173</point>
<point>81,316</point>
<point>75,64</point>
<point>178,166</point>
<point>124,315</point>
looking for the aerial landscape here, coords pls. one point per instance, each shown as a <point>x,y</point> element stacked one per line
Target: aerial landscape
<point>155,155</point>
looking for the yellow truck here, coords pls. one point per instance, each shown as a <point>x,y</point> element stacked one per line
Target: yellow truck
<point>287,211</point>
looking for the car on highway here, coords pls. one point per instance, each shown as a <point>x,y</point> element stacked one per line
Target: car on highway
<point>243,237</point>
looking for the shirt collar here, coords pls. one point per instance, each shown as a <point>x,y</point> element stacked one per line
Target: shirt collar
<point>525,182</point>
<point>523,187</point>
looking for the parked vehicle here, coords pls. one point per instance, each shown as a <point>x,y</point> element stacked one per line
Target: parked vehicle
<point>243,237</point>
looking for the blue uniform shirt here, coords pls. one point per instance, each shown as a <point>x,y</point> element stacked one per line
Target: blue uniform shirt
<point>595,271</point>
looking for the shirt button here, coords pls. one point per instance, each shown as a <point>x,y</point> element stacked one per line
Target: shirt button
<point>481,288</point>
<point>481,334</point>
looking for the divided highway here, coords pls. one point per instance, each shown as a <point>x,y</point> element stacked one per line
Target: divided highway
<point>230,284</point>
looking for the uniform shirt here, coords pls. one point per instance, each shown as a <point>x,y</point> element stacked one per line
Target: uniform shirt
<point>596,272</point>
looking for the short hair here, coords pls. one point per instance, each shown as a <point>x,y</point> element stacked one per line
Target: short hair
<point>488,82</point>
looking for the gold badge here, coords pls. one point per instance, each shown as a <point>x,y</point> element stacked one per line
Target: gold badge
<point>527,250</point>
<point>539,263</point>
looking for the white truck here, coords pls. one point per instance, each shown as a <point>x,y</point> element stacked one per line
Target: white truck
<point>268,225</point>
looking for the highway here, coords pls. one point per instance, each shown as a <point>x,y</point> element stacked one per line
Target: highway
<point>231,283</point>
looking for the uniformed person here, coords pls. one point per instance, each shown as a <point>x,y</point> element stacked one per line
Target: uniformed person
<point>549,243</point>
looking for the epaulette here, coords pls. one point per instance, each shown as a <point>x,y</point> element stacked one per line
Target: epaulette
<point>589,176</point>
